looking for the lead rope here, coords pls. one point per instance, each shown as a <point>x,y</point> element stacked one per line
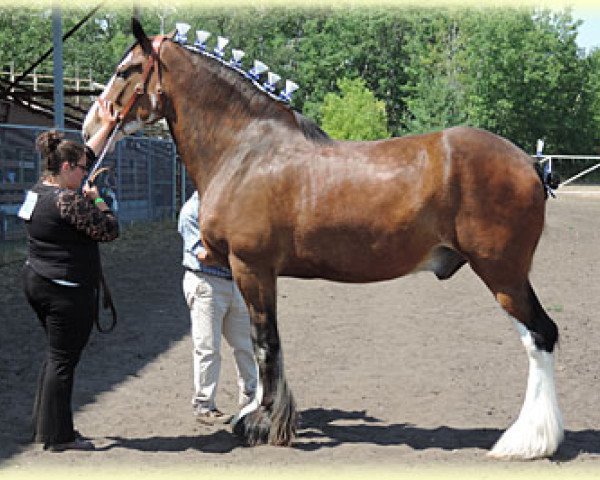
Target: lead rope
<point>106,304</point>
<point>91,176</point>
<point>107,301</point>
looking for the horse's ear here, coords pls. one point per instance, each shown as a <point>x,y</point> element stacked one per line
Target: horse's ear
<point>140,35</point>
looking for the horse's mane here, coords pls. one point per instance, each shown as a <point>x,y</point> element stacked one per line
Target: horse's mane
<point>251,93</point>
<point>310,129</point>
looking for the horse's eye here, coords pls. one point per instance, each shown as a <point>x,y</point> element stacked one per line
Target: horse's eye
<point>124,73</point>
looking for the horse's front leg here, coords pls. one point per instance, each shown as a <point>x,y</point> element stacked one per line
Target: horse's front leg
<point>271,417</point>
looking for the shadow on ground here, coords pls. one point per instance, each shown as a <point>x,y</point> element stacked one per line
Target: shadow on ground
<point>146,293</point>
<point>317,430</point>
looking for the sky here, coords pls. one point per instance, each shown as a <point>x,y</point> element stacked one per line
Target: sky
<point>589,32</point>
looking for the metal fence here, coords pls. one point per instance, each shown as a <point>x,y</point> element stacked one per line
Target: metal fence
<point>575,169</point>
<point>142,183</point>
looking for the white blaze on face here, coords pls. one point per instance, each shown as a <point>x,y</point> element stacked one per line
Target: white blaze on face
<point>92,123</point>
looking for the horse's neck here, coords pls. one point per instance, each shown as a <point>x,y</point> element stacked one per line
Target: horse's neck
<point>207,116</point>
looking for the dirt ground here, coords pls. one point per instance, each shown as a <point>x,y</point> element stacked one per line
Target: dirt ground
<point>407,374</point>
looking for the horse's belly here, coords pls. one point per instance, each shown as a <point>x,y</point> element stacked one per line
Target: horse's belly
<point>360,259</point>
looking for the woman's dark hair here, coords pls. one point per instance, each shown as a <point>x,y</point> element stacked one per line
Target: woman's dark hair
<point>55,150</point>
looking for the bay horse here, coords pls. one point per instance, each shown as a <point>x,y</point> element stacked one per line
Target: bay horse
<point>280,198</point>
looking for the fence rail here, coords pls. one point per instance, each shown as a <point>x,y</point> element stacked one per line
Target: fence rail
<point>580,169</point>
<point>43,81</point>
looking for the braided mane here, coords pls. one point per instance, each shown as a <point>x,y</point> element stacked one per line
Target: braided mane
<point>251,91</point>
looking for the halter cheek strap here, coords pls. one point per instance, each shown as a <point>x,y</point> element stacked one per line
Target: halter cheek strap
<point>140,88</point>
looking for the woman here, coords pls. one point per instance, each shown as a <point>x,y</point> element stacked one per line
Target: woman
<point>61,274</point>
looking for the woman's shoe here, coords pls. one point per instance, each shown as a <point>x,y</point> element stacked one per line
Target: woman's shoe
<point>77,444</point>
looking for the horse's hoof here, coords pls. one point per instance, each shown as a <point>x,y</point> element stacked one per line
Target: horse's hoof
<point>519,443</point>
<point>238,426</point>
<point>252,427</point>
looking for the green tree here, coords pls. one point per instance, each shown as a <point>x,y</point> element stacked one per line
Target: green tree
<point>515,72</point>
<point>525,78</point>
<point>591,97</point>
<point>355,114</point>
<point>434,90</point>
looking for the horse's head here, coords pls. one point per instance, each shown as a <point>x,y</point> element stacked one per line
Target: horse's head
<point>134,88</point>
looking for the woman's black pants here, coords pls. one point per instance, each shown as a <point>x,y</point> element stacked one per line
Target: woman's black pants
<point>66,314</point>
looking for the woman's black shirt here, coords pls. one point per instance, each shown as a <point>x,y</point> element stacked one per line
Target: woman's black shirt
<point>63,234</point>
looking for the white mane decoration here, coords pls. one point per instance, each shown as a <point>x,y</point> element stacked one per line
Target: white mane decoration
<point>236,58</point>
<point>235,63</point>
<point>290,87</point>
<point>272,79</point>
<point>220,48</point>
<point>181,32</point>
<point>201,37</point>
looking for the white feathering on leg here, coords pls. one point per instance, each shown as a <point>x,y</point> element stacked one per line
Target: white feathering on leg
<point>252,406</point>
<point>539,429</point>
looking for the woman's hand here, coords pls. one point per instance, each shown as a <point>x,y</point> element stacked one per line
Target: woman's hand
<point>90,192</point>
<point>108,118</point>
<point>106,112</point>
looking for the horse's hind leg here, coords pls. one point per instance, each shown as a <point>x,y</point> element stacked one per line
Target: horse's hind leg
<point>538,430</point>
<point>271,416</point>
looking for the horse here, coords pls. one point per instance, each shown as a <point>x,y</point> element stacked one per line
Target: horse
<point>281,198</point>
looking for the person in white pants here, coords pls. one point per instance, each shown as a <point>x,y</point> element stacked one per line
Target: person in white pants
<point>216,308</point>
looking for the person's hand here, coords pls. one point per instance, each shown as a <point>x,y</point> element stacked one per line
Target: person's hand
<point>106,112</point>
<point>108,119</point>
<point>206,258</point>
<point>90,192</point>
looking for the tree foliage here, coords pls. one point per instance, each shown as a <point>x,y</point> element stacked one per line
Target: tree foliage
<point>355,114</point>
<point>516,72</point>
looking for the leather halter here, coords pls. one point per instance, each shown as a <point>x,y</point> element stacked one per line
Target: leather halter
<point>140,88</point>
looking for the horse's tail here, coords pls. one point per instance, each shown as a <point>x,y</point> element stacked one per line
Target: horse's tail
<point>550,180</point>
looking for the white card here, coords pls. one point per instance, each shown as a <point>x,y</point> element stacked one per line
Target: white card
<point>26,209</point>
